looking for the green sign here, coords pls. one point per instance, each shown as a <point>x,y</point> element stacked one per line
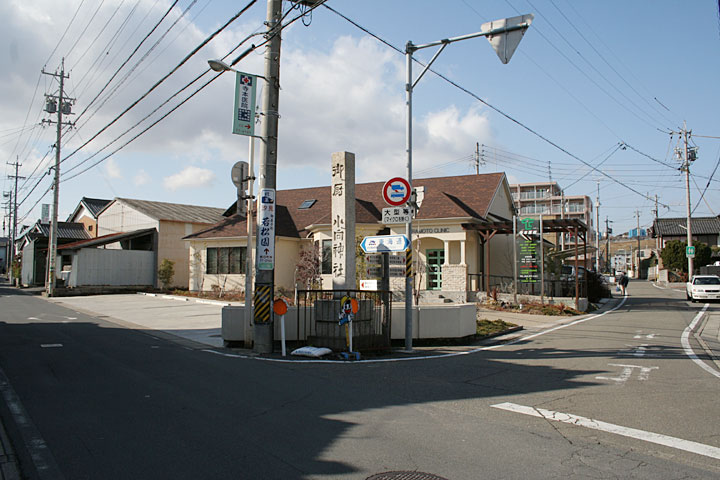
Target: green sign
<point>690,252</point>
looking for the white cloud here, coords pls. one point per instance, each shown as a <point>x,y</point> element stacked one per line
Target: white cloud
<point>141,178</point>
<point>112,169</point>
<point>189,177</point>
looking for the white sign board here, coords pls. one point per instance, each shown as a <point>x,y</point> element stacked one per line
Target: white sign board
<point>266,229</point>
<point>368,285</point>
<point>397,215</point>
<point>385,243</point>
<point>376,259</point>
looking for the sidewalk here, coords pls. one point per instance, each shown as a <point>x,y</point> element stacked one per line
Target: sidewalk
<point>708,334</point>
<point>199,321</point>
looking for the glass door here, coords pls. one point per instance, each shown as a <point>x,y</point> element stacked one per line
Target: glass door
<point>435,260</point>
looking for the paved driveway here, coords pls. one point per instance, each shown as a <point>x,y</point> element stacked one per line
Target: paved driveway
<point>186,318</point>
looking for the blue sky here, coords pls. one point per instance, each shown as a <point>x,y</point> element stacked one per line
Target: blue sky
<point>586,77</point>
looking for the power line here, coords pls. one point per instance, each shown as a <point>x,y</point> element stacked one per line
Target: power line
<point>492,107</point>
<point>117,71</point>
<point>65,32</point>
<point>159,82</point>
<point>235,61</point>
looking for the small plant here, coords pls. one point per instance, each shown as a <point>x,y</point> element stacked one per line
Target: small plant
<point>166,272</point>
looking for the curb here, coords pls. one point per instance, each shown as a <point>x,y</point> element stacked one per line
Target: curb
<point>697,333</point>
<point>9,469</point>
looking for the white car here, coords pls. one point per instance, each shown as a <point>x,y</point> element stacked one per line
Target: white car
<point>703,287</point>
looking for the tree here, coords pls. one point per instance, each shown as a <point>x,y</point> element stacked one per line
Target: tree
<point>166,272</point>
<point>673,256</point>
<point>308,267</point>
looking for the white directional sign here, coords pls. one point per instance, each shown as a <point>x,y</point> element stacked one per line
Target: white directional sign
<point>368,285</point>
<point>397,215</point>
<point>376,259</point>
<point>266,229</point>
<point>385,243</point>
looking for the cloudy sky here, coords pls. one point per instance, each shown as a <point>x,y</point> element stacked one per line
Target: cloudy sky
<point>586,77</point>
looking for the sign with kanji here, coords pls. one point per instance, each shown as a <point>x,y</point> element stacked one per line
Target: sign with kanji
<point>244,111</point>
<point>266,229</point>
<point>385,243</point>
<point>397,215</point>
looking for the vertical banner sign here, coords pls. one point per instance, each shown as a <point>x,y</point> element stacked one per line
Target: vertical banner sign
<point>528,262</point>
<point>266,229</point>
<point>244,111</point>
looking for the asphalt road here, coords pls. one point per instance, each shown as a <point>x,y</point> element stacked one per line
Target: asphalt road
<point>615,396</point>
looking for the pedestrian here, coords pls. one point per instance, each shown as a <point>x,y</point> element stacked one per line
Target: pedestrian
<point>624,283</point>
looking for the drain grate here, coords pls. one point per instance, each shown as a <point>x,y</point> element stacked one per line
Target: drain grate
<point>405,475</point>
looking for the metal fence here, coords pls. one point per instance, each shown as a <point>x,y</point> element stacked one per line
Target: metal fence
<point>318,313</point>
<point>553,288</point>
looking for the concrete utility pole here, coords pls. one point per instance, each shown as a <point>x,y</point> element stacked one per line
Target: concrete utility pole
<point>687,156</point>
<point>597,229</point>
<point>607,244</point>
<point>62,106</point>
<point>267,184</point>
<point>637,214</point>
<point>691,265</point>
<point>11,251</point>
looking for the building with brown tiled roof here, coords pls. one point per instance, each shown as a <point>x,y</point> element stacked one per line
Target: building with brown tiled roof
<point>449,255</point>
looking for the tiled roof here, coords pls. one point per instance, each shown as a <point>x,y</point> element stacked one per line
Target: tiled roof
<point>66,230</point>
<point>107,239</point>
<point>664,227</point>
<point>95,205</point>
<point>175,212</point>
<point>445,197</point>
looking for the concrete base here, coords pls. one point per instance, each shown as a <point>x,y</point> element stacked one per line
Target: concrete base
<point>263,337</point>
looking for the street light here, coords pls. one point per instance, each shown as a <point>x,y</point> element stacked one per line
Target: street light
<point>220,66</point>
<point>504,36</point>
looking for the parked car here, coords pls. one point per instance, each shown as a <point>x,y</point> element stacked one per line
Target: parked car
<point>703,287</point>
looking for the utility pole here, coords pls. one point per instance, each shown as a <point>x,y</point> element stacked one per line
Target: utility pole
<point>267,173</point>
<point>562,217</point>
<point>687,155</point>
<point>607,244</point>
<point>16,177</point>
<point>477,158</point>
<point>597,229</point>
<point>8,229</point>
<point>61,105</point>
<point>637,271</point>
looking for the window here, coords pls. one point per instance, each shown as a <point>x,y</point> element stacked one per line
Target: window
<point>225,260</point>
<point>326,255</point>
<point>307,204</point>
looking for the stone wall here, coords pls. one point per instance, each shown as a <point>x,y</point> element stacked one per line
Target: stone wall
<point>454,278</point>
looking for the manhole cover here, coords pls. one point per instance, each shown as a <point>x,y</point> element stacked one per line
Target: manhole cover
<point>405,476</point>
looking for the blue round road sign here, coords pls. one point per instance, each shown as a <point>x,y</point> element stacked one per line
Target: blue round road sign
<point>396,191</point>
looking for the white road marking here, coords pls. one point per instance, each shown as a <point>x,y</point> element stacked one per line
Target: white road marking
<point>51,345</point>
<point>627,372</point>
<point>648,336</point>
<point>684,340</point>
<point>657,438</point>
<point>640,351</point>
